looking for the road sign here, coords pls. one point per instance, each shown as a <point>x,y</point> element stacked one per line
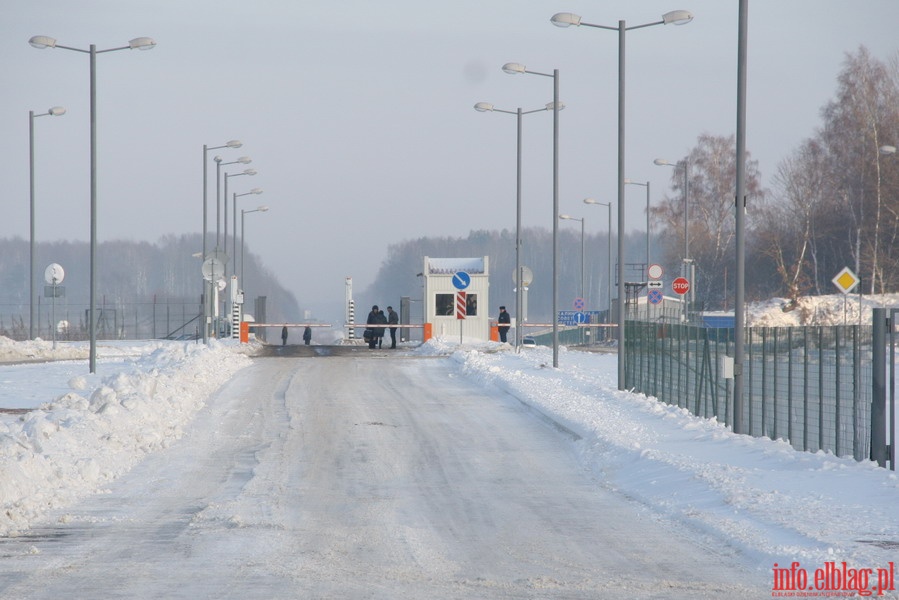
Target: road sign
<point>461,280</point>
<point>54,274</point>
<point>579,304</point>
<point>845,280</point>
<point>655,271</point>
<point>461,305</point>
<point>655,284</point>
<point>681,285</point>
<point>527,276</point>
<point>578,317</point>
<point>655,296</point>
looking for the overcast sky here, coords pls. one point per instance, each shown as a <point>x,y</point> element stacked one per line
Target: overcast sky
<point>359,116</point>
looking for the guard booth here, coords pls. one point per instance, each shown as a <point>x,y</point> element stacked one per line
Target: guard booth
<point>456,297</point>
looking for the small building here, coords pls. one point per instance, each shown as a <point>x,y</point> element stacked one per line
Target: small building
<point>441,295</point>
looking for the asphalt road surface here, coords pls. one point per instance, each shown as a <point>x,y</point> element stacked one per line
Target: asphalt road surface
<point>366,476</point>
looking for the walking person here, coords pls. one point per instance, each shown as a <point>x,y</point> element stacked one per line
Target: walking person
<point>392,319</point>
<point>504,321</point>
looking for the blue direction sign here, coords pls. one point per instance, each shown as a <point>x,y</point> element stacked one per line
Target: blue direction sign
<point>578,317</point>
<point>461,280</point>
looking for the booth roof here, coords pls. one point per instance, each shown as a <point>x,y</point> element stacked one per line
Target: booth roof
<point>448,266</point>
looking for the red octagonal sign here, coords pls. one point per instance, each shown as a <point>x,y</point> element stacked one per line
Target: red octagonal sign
<point>680,285</point>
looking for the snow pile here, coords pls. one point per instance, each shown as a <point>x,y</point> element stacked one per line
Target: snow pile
<point>760,495</point>
<point>76,444</point>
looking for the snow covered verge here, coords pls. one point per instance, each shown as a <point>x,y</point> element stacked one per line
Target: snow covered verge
<point>760,496</point>
<point>78,443</point>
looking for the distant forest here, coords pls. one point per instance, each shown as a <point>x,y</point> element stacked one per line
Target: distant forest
<point>145,289</point>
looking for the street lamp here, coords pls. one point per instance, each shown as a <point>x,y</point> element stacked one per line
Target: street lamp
<point>140,43</point>
<point>56,111</point>
<point>515,69</point>
<point>250,172</point>
<point>676,17</point>
<point>244,213</point>
<point>207,286</point>
<point>234,197</point>
<point>608,206</point>
<point>685,167</point>
<point>519,280</point>
<point>582,221</point>
<point>740,212</point>
<point>244,160</point>
<point>646,185</point>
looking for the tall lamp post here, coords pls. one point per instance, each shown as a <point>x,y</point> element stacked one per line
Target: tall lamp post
<point>676,17</point>
<point>244,213</point>
<point>206,285</point>
<point>739,224</point>
<point>250,172</point>
<point>487,107</point>
<point>582,221</point>
<point>515,69</point>
<point>243,160</point>
<point>646,185</point>
<point>141,43</point>
<point>56,111</point>
<point>608,206</point>
<point>234,197</point>
<point>685,167</point>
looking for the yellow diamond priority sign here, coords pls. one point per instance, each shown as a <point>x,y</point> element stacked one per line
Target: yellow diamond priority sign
<point>846,280</point>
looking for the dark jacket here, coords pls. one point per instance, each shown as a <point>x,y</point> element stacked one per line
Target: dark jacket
<point>380,319</point>
<point>504,319</point>
<point>392,317</point>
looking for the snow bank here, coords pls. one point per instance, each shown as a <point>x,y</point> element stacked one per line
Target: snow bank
<point>84,439</point>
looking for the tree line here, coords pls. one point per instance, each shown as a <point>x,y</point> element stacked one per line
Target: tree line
<point>833,203</point>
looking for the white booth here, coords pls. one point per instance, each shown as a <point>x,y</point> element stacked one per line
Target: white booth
<point>456,297</point>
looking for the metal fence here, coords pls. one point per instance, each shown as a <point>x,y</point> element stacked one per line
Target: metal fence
<point>810,386</point>
<point>129,320</point>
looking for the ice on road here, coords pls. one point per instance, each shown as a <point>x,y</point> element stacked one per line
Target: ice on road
<point>366,477</point>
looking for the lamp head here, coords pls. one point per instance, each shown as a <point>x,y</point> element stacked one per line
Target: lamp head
<point>662,162</point>
<point>42,41</point>
<point>566,217</point>
<point>234,144</point>
<point>262,209</point>
<point>677,17</point>
<point>566,20</point>
<point>249,172</point>
<point>483,107</point>
<point>551,105</point>
<point>57,111</point>
<point>590,201</point>
<point>244,160</point>
<point>142,43</point>
<point>256,191</point>
<point>888,149</point>
<point>513,68</point>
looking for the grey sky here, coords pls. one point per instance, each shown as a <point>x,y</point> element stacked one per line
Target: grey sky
<point>358,115</point>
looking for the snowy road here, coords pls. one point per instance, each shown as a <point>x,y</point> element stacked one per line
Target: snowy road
<point>365,477</point>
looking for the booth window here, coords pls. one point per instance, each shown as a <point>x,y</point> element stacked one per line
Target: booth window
<point>445,305</point>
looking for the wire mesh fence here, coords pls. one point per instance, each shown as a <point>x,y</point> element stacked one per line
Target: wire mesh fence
<point>810,386</point>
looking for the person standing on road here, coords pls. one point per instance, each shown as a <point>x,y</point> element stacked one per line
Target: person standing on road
<point>504,321</point>
<point>284,336</point>
<point>307,335</point>
<point>392,319</point>
<point>379,332</point>
<point>370,321</point>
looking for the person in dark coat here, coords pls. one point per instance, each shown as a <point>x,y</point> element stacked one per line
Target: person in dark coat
<point>370,321</point>
<point>504,321</point>
<point>307,335</point>
<point>284,336</point>
<point>392,319</point>
<point>379,332</point>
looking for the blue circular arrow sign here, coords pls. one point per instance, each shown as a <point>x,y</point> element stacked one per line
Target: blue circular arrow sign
<point>461,280</point>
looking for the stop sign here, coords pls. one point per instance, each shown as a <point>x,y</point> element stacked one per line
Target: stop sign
<point>681,285</point>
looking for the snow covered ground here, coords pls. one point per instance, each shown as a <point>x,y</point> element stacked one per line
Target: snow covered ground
<point>776,504</point>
